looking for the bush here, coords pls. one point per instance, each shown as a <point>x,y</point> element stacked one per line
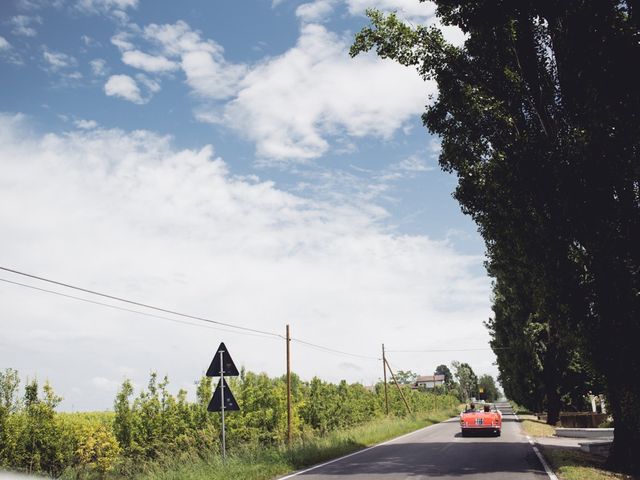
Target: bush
<point>156,426</point>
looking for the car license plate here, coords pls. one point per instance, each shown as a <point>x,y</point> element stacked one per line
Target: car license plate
<point>478,421</point>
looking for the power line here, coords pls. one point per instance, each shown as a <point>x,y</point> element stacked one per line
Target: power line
<point>140,304</point>
<point>333,350</point>
<point>447,350</point>
<point>124,309</point>
<point>243,330</point>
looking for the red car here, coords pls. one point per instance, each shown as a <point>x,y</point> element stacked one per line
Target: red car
<point>484,419</point>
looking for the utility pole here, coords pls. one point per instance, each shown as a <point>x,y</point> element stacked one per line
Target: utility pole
<point>288,387</point>
<point>384,369</point>
<point>406,404</point>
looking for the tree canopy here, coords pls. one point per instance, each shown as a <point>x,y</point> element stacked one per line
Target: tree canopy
<point>538,118</point>
<point>467,380</point>
<point>487,389</point>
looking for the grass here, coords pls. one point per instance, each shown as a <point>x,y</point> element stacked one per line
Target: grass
<point>268,463</point>
<point>571,464</point>
<point>536,428</point>
<point>519,409</point>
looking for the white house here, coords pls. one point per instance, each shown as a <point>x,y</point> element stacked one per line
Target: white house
<point>429,381</point>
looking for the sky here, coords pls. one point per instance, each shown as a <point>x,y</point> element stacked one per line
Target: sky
<point>229,161</point>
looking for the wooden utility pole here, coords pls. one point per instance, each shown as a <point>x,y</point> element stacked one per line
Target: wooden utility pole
<point>384,369</point>
<point>406,404</point>
<point>288,386</point>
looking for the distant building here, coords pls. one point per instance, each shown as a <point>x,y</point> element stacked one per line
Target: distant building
<point>429,381</point>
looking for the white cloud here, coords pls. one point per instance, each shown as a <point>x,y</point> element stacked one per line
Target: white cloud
<point>413,164</point>
<point>290,105</point>
<point>125,87</point>
<point>315,11</point>
<point>128,214</point>
<point>22,25</point>
<point>89,42</point>
<point>412,11</point>
<point>57,61</point>
<point>86,124</point>
<point>99,67</point>
<point>4,44</point>
<point>106,385</point>
<point>148,63</point>
<point>202,61</point>
<point>38,4</point>
<point>115,8</point>
<point>407,9</point>
<point>122,41</point>
<point>152,85</point>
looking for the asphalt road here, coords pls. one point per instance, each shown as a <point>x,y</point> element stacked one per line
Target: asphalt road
<point>439,451</point>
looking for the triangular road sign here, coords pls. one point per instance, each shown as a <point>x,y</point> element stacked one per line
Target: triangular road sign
<point>229,400</point>
<point>230,369</point>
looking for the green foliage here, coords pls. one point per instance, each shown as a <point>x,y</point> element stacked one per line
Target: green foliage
<point>406,377</point>
<point>537,113</point>
<point>97,449</point>
<point>490,390</point>
<point>467,381</point>
<point>448,376</point>
<point>33,439</point>
<point>9,404</point>
<point>264,463</point>
<point>156,427</point>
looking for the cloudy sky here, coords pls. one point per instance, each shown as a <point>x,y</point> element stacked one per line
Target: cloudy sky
<point>227,160</point>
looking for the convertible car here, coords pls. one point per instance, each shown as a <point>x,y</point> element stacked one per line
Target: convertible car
<point>486,418</point>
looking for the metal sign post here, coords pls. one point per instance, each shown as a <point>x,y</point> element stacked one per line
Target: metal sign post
<point>222,365</point>
<point>224,444</point>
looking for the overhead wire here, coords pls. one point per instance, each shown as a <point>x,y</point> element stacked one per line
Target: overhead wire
<point>124,309</point>
<point>472,349</point>
<point>239,329</point>
<point>140,304</point>
<point>333,350</point>
<point>440,350</point>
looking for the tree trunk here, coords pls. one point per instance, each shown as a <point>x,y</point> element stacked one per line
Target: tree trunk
<point>625,407</point>
<point>551,372</point>
<point>615,345</point>
<point>553,406</point>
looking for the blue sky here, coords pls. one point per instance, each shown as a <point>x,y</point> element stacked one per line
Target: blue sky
<point>230,160</point>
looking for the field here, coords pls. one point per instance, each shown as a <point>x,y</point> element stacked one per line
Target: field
<point>160,435</point>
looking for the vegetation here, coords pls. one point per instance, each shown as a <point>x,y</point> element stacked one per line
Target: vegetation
<point>536,428</point>
<point>537,113</point>
<point>448,376</point>
<point>467,381</point>
<point>571,464</point>
<point>487,389</point>
<point>155,430</point>
<point>253,463</point>
<point>406,377</point>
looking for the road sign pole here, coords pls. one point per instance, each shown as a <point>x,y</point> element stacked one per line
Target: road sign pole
<point>224,445</point>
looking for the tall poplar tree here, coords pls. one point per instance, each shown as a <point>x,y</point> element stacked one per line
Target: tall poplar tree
<point>538,116</point>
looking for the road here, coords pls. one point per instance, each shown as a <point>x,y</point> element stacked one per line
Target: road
<point>439,451</point>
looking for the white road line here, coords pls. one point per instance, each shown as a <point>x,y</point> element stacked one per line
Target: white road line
<point>364,450</point>
<point>545,465</point>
